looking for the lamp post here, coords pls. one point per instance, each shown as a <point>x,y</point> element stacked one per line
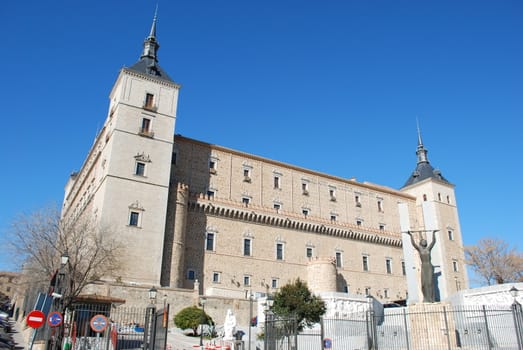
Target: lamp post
<point>61,295</point>
<point>149,318</point>
<point>516,312</point>
<point>202,320</point>
<point>251,299</point>
<point>269,302</point>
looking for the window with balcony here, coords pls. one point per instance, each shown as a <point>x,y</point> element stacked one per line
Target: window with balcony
<point>149,102</point>
<point>145,129</point>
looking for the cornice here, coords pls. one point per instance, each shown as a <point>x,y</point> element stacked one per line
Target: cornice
<point>150,78</point>
<point>249,215</point>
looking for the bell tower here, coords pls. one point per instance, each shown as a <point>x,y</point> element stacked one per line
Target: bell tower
<point>132,197</point>
<point>437,210</point>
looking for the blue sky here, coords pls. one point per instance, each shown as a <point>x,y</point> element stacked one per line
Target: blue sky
<point>334,86</point>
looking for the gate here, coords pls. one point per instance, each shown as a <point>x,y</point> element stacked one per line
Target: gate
<point>128,328</point>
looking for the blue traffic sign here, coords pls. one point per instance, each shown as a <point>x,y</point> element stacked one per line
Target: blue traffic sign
<point>54,319</point>
<point>327,343</point>
<point>99,323</point>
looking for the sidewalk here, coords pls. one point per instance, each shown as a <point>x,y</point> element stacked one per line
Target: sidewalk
<point>18,336</point>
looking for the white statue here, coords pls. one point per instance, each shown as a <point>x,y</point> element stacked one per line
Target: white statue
<point>229,326</point>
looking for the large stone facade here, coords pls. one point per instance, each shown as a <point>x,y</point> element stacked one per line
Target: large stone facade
<point>186,210</point>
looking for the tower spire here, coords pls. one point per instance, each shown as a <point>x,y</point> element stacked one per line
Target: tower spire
<point>421,152</point>
<point>150,45</point>
<point>423,168</point>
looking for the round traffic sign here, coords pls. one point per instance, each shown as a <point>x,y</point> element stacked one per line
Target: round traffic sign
<point>54,319</point>
<point>35,319</point>
<point>99,323</point>
<point>327,343</point>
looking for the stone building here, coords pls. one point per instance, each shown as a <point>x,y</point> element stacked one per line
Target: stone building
<point>235,222</point>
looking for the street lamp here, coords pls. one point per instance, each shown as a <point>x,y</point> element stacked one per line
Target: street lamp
<point>64,259</point>
<point>269,323</point>
<point>202,320</point>
<point>149,320</point>
<point>152,295</point>
<point>251,299</point>
<point>516,312</point>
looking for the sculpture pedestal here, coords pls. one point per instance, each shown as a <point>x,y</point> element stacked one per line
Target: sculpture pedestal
<point>432,326</point>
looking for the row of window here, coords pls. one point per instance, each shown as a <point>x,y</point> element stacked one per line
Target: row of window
<point>309,253</point>
<point>439,198</point>
<point>304,186</point>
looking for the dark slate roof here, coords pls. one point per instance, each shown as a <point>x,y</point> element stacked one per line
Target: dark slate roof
<point>423,168</point>
<point>424,171</point>
<point>148,63</point>
<point>149,67</point>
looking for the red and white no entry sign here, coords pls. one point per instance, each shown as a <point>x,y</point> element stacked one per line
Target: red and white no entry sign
<point>35,319</point>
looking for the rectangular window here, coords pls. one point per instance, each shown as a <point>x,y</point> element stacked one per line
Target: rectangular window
<point>382,227</point>
<point>367,290</point>
<point>403,270</point>
<point>216,277</point>
<point>357,200</point>
<point>212,167</point>
<point>247,247</point>
<point>332,194</point>
<point>388,265</point>
<point>246,280</point>
<point>451,235</point>
<point>277,182</point>
<point>274,283</point>
<point>277,206</point>
<point>339,261</point>
<point>454,266</point>
<point>386,293</point>
<point>358,222</point>
<point>246,175</point>
<point>380,207</point>
<point>279,251</point>
<point>146,125</point>
<point>149,101</point>
<point>333,217</point>
<point>210,194</point>
<point>209,242</point>
<point>305,188</point>
<point>246,201</point>
<point>140,169</point>
<point>305,212</point>
<point>191,275</point>
<point>134,218</point>
<point>309,252</point>
<point>365,263</point>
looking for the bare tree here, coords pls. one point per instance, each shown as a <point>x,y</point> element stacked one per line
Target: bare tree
<point>495,261</point>
<point>40,238</point>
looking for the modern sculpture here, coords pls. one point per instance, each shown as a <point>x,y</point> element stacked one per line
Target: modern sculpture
<point>427,269</point>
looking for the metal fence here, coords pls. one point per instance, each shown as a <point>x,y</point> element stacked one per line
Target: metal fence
<point>127,328</point>
<point>434,327</point>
